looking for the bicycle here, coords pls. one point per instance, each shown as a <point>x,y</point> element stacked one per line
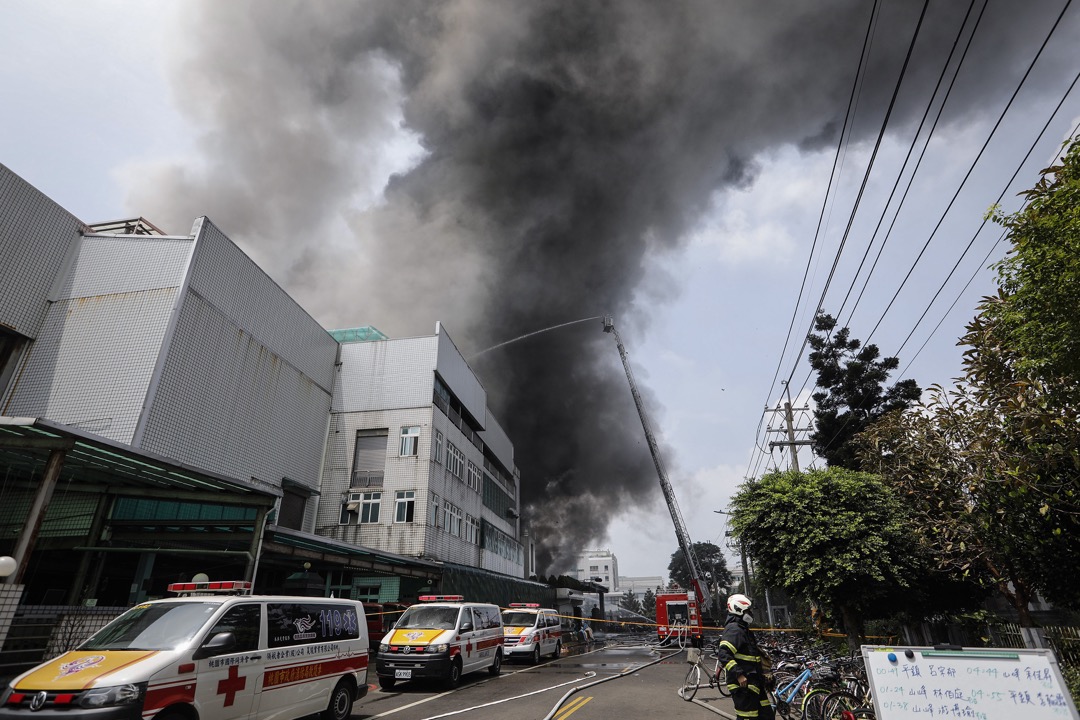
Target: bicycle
<point>698,668</point>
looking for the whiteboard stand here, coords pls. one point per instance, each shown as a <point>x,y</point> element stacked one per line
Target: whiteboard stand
<point>924,683</point>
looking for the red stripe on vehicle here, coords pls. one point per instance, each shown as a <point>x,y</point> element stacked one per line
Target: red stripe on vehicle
<point>312,671</point>
<point>163,696</point>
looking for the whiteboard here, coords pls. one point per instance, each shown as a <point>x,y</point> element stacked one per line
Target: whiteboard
<point>919,683</point>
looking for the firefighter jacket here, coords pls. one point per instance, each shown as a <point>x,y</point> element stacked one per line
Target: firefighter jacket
<point>739,653</point>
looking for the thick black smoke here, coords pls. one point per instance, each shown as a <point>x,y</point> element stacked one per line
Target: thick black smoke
<point>565,145</point>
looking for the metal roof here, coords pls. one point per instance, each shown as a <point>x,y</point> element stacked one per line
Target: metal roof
<point>283,541</point>
<point>102,464</point>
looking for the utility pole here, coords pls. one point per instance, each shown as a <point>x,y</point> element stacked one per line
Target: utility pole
<point>789,426</point>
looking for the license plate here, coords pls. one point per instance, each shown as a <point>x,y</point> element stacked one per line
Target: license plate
<point>403,674</point>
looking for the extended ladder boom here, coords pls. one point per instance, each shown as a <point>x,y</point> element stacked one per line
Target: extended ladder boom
<point>700,587</point>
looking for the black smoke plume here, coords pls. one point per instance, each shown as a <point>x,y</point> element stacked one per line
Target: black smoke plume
<point>563,146</point>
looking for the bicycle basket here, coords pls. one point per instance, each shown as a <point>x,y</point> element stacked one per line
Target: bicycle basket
<point>824,674</point>
<point>693,655</point>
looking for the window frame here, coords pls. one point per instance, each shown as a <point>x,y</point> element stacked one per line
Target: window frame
<point>404,499</point>
<point>410,440</point>
<point>370,500</point>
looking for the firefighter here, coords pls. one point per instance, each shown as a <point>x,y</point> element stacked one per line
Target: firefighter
<point>742,660</point>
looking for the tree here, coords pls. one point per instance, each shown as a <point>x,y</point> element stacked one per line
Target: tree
<point>648,604</point>
<point>992,466</point>
<point>1035,314</point>
<point>629,601</point>
<point>838,537</point>
<point>852,397</point>
<point>712,564</point>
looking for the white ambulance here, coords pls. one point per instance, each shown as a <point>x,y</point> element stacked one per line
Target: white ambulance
<point>443,638</point>
<point>206,656</point>
<point>531,631</point>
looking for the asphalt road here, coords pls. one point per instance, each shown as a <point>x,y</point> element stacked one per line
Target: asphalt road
<point>640,682</point>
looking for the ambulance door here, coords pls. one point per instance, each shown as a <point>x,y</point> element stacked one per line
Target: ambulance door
<point>470,653</point>
<point>550,633</point>
<point>229,679</point>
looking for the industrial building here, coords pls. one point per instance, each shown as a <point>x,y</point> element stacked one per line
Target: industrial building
<point>166,408</point>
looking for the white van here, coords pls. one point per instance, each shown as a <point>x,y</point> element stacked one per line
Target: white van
<point>531,631</point>
<point>207,657</point>
<point>443,637</point>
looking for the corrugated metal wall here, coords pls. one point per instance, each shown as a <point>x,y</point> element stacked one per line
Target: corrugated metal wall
<point>93,360</point>
<point>245,388</point>
<point>35,235</point>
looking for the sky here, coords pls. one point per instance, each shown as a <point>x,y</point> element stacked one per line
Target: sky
<point>509,167</point>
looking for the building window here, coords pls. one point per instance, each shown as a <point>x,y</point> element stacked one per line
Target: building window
<point>455,461</point>
<point>475,476</point>
<point>350,505</point>
<point>472,530</point>
<point>436,446</point>
<point>410,440</point>
<point>404,506</point>
<point>369,507</point>
<point>435,512</point>
<point>453,519</point>
<point>594,568</point>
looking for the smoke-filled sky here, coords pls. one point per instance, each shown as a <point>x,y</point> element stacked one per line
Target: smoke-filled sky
<point>506,167</point>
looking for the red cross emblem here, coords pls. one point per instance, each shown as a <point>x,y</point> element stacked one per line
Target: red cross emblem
<point>231,685</point>
<point>468,648</point>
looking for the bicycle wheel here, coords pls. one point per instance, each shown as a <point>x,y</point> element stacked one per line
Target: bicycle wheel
<point>836,703</point>
<point>814,703</point>
<point>690,684</point>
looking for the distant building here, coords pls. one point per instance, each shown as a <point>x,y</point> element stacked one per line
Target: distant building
<point>639,584</point>
<point>598,566</point>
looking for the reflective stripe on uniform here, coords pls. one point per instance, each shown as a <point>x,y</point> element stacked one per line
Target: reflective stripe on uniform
<point>731,664</point>
<point>754,689</point>
<point>725,643</point>
<point>766,703</point>
<point>748,658</point>
<point>746,713</point>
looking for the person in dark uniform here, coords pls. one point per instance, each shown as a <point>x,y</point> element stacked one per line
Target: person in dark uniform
<point>741,658</point>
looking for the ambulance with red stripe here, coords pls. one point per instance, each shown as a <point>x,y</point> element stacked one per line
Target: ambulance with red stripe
<point>530,631</point>
<point>211,654</point>
<point>443,637</point>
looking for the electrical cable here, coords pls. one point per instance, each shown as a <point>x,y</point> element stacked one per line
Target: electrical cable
<point>911,148</point>
<point>848,118</point>
<point>971,169</point>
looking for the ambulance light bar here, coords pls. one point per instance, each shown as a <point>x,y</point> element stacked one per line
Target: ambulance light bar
<point>525,605</point>
<point>442,598</point>
<point>236,587</point>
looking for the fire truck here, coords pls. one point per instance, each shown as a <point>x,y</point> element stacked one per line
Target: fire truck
<point>670,606</point>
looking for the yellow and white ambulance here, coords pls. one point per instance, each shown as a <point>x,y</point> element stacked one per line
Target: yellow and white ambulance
<point>443,637</point>
<point>206,656</point>
<point>531,631</point>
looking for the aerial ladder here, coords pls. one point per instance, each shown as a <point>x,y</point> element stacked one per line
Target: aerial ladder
<point>700,600</point>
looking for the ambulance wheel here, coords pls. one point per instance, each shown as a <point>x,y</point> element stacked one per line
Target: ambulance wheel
<point>341,702</point>
<point>536,655</point>
<point>454,678</point>
<point>558,649</point>
<point>496,667</point>
<point>387,683</point>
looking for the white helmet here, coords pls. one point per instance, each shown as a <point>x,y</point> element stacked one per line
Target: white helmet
<point>738,604</point>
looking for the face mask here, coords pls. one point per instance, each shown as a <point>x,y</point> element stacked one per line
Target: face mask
<point>747,618</point>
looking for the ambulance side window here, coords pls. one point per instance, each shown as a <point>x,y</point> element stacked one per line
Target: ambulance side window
<point>243,622</point>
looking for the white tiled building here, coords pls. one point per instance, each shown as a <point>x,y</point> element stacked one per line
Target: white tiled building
<point>602,564</point>
<point>415,463</point>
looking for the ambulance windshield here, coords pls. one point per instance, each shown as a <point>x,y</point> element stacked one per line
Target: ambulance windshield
<point>519,619</point>
<point>161,626</point>
<point>440,618</point>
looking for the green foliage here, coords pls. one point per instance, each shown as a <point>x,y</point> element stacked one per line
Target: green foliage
<point>629,601</point>
<point>1072,681</point>
<point>839,537</point>
<point>852,397</point>
<point>648,605</point>
<point>712,564</point>
<point>1035,314</point>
